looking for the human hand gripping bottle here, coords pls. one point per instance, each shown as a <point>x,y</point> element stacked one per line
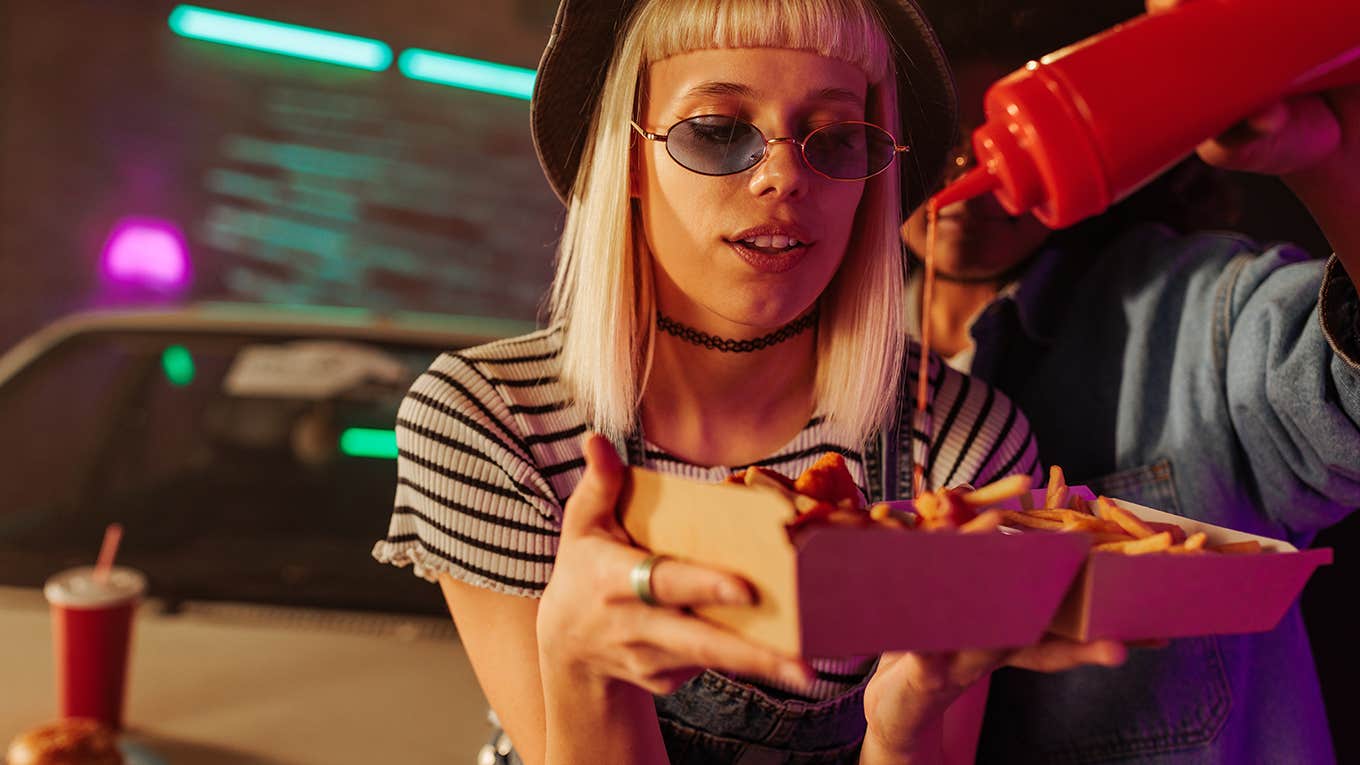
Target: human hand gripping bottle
<point>1080,129</point>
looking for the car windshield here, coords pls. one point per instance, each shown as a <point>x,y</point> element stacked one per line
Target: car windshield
<point>245,466</point>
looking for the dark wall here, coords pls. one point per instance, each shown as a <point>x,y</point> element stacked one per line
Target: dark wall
<point>304,183</point>
<point>293,182</point>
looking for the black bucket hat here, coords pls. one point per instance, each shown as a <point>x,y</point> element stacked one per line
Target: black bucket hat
<point>572,73</point>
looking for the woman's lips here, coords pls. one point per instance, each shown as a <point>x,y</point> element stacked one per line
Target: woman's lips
<point>770,262</point>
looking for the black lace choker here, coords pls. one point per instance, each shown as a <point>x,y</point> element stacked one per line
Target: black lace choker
<point>691,335</point>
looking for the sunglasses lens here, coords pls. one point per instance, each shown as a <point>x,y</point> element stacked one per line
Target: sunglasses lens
<point>849,150</point>
<point>715,145</point>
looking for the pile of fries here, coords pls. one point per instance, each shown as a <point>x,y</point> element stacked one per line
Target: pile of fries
<point>1114,528</point>
<point>826,493</point>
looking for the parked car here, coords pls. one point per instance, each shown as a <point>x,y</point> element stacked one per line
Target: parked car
<point>248,453</point>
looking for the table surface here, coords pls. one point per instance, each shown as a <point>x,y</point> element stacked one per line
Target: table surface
<point>223,685</point>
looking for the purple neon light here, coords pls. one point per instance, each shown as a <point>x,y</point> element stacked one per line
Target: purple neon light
<point>146,252</point>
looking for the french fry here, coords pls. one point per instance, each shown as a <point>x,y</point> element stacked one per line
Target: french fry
<point>1056,496</point>
<point>1126,520</point>
<point>882,512</point>
<point>821,512</point>
<point>1014,518</point>
<point>986,521</point>
<point>1066,516</point>
<point>768,479</point>
<point>1177,533</point>
<point>1193,545</point>
<point>998,491</point>
<point>1100,538</point>
<point>1155,543</point>
<point>841,517</point>
<point>1074,521</point>
<point>1088,525</point>
<point>944,509</point>
<point>928,504</point>
<point>1238,548</point>
<point>1080,504</point>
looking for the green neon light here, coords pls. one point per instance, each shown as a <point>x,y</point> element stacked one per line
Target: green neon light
<point>369,442</point>
<point>178,365</point>
<point>277,37</point>
<point>469,73</point>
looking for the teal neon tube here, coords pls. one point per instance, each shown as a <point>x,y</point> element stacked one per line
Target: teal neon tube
<point>467,73</point>
<point>369,442</point>
<point>277,37</point>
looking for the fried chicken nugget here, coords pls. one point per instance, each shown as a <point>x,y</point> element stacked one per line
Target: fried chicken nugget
<point>829,480</point>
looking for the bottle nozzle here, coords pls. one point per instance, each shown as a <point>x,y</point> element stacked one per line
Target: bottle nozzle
<point>973,183</point>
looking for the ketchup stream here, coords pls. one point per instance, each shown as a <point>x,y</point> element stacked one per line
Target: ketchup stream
<point>974,183</point>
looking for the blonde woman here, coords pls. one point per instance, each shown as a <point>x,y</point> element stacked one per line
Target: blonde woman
<point>728,293</point>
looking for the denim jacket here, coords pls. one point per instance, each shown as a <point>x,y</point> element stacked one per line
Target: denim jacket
<point>1200,376</point>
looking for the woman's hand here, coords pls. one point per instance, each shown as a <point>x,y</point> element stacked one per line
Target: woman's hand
<point>593,628</point>
<point>1312,141</point>
<point>1303,135</point>
<point>905,701</point>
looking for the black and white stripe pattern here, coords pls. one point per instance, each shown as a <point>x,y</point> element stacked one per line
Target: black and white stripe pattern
<point>489,449</point>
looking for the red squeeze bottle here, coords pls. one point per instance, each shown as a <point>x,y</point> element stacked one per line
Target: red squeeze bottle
<point>1080,129</point>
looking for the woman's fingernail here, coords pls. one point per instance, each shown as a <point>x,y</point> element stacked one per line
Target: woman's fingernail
<point>733,594</point>
<point>1115,654</point>
<point>795,675</point>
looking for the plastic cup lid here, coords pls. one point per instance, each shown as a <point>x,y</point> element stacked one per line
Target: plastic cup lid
<point>77,588</point>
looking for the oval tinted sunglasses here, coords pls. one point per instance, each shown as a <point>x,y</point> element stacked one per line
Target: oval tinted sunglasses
<point>720,145</point>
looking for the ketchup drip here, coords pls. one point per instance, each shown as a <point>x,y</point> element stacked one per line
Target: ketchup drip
<point>974,183</point>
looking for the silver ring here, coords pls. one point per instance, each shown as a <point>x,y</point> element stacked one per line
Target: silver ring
<point>641,578</point>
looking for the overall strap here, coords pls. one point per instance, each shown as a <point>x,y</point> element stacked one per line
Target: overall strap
<point>891,459</point>
<point>636,453</point>
<point>882,470</point>
<point>629,448</point>
<point>892,471</point>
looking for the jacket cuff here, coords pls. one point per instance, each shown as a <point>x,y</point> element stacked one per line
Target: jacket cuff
<point>1339,313</point>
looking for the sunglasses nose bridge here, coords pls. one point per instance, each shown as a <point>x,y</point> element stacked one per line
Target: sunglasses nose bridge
<point>796,144</point>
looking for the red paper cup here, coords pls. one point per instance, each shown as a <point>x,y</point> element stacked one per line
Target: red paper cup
<point>91,636</point>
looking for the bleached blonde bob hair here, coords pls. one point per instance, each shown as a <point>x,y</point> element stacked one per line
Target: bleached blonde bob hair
<point>602,294</point>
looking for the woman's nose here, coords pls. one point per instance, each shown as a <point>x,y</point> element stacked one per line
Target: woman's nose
<point>781,172</point>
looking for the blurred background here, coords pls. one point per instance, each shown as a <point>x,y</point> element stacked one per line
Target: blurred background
<point>193,233</point>
<point>288,181</point>
<point>221,266</point>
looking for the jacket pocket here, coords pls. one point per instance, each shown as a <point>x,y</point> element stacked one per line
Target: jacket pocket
<point>1151,485</point>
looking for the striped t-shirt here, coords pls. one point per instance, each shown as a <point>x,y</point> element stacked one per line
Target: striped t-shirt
<point>490,448</point>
